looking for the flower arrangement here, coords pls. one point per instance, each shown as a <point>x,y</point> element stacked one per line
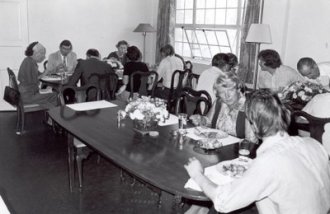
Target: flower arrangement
<point>146,111</point>
<point>301,92</point>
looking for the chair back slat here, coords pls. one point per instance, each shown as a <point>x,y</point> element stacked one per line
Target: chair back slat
<point>190,102</point>
<point>315,125</point>
<point>147,82</point>
<point>72,94</point>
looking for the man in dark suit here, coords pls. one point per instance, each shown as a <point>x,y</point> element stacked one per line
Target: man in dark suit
<point>92,65</point>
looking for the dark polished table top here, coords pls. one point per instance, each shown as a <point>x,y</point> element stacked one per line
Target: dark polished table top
<point>158,161</point>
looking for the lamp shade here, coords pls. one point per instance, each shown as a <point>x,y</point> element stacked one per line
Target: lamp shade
<point>259,33</point>
<point>144,27</point>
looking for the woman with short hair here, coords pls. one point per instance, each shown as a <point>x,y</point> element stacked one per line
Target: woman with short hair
<point>120,54</point>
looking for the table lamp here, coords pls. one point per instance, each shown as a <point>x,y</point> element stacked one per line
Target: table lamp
<point>144,28</point>
<point>258,34</point>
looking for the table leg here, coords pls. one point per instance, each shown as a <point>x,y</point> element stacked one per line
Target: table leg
<point>70,160</point>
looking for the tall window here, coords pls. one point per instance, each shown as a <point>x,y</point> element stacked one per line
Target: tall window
<point>206,27</point>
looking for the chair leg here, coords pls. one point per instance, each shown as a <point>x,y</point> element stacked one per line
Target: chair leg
<point>79,159</point>
<point>20,122</point>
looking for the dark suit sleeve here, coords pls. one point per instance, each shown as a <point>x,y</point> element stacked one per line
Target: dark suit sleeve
<point>76,75</point>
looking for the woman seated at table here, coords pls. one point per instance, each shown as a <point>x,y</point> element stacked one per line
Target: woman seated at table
<point>134,64</point>
<point>119,56</point>
<point>289,174</point>
<point>227,112</point>
<point>28,77</point>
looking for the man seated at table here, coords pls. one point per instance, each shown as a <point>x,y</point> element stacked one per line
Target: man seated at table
<point>63,60</point>
<point>28,77</point>
<point>92,65</point>
<point>289,174</point>
<point>315,73</point>
<point>274,74</point>
<point>118,58</point>
<point>168,65</point>
<point>207,78</point>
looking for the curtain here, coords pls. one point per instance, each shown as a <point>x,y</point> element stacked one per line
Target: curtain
<point>165,25</point>
<point>248,50</point>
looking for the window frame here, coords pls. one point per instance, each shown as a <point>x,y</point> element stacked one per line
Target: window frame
<point>214,27</point>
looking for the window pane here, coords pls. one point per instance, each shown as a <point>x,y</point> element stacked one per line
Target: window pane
<point>200,16</point>
<point>222,38</point>
<point>220,17</point>
<point>189,34</point>
<point>224,50</point>
<point>232,34</point>
<point>210,4</point>
<point>210,15</point>
<point>188,18</point>
<point>178,48</point>
<point>200,3</point>
<point>221,3</point>
<point>211,37</point>
<point>179,4</point>
<point>201,37</point>
<point>186,50</point>
<point>205,51</point>
<point>178,34</point>
<point>231,16</point>
<point>214,50</point>
<point>232,3</point>
<point>189,4</point>
<point>196,50</point>
<point>179,16</point>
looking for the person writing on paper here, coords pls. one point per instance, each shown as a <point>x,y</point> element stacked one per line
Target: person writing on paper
<point>134,64</point>
<point>28,77</point>
<point>227,111</point>
<point>289,174</point>
<point>119,57</point>
<point>63,60</point>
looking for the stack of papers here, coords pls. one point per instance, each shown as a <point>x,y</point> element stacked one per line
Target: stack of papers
<point>91,105</point>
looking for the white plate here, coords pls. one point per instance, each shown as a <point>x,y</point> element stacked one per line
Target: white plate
<point>234,168</point>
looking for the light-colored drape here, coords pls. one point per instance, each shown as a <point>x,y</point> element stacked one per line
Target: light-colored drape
<point>165,25</point>
<point>248,50</point>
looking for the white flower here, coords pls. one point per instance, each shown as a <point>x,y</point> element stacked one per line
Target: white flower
<point>307,89</point>
<point>137,114</point>
<point>304,97</point>
<point>294,96</point>
<point>301,93</point>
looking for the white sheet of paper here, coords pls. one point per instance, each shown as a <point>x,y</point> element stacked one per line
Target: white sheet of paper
<point>225,141</point>
<point>170,121</point>
<point>91,105</point>
<point>3,207</point>
<point>214,175</point>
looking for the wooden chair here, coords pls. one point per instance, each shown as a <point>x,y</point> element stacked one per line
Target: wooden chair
<point>13,97</point>
<point>315,125</point>
<point>190,101</point>
<point>148,82</point>
<point>192,80</point>
<point>71,95</point>
<point>107,84</point>
<point>178,82</point>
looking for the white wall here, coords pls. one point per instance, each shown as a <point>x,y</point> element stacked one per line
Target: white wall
<point>91,24</point>
<point>299,28</point>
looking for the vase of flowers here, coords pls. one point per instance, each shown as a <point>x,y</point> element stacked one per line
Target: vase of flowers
<point>301,92</point>
<point>146,112</point>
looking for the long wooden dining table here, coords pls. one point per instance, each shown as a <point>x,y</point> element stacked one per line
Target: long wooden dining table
<point>158,161</point>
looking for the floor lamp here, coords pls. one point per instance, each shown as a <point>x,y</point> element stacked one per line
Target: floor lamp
<point>144,28</point>
<point>258,34</point>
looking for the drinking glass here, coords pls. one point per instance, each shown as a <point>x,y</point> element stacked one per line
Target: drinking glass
<point>244,150</point>
<point>182,119</point>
